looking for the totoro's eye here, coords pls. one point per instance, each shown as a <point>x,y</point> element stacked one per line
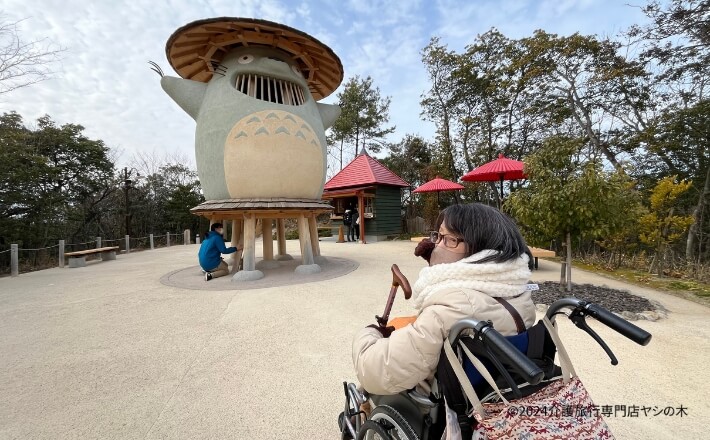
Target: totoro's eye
<point>296,70</point>
<point>245,59</point>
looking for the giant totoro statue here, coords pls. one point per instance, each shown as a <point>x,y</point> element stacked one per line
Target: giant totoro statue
<point>251,86</point>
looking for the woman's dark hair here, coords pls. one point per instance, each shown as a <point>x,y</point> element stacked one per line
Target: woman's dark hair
<point>483,227</point>
<point>215,226</point>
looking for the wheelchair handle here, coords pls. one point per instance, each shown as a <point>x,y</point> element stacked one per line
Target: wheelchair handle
<point>500,346</point>
<point>617,323</point>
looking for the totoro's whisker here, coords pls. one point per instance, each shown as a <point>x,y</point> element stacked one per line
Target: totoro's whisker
<point>156,68</point>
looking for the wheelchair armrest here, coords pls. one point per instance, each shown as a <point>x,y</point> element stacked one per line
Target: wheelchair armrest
<point>500,347</point>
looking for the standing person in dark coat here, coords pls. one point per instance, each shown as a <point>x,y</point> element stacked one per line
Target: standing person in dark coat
<point>355,222</point>
<point>348,221</point>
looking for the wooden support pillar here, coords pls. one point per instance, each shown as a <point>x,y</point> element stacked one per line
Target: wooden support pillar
<point>304,238</point>
<point>281,240</point>
<point>237,231</point>
<point>267,238</point>
<point>313,230</point>
<point>249,242</point>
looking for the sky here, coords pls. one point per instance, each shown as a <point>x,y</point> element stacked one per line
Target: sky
<point>104,82</point>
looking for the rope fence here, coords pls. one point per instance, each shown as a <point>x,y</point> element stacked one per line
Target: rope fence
<point>18,260</point>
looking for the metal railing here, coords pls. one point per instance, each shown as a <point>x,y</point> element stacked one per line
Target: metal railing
<point>16,260</point>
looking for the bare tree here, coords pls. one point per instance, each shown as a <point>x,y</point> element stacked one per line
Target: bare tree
<point>23,63</point>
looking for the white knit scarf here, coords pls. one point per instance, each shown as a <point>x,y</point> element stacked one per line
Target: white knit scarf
<point>501,280</point>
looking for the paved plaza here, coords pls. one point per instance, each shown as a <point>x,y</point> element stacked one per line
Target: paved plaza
<point>108,351</point>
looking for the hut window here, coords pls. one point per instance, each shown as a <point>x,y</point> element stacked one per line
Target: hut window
<point>369,205</point>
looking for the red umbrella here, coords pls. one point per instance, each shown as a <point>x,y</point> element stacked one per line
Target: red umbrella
<point>438,184</point>
<point>499,169</point>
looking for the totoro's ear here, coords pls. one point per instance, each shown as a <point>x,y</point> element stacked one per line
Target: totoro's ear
<point>328,113</point>
<point>186,93</point>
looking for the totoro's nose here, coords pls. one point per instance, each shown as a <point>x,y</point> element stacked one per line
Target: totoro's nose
<point>277,60</point>
<point>276,64</point>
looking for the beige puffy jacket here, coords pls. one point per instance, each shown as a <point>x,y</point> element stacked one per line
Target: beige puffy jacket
<point>410,355</point>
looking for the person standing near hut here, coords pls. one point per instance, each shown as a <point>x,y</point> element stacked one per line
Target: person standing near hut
<point>355,222</point>
<point>348,221</point>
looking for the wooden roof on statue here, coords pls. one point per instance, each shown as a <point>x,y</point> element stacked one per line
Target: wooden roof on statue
<point>195,49</point>
<point>363,171</point>
<point>260,203</point>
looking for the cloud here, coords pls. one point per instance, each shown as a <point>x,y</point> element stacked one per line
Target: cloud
<point>105,84</point>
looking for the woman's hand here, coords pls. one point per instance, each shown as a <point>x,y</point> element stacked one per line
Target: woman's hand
<point>384,331</point>
<point>424,249</point>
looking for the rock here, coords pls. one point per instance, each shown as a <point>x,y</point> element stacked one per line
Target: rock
<point>650,316</point>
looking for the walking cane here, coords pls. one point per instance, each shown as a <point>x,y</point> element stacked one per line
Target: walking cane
<point>398,279</point>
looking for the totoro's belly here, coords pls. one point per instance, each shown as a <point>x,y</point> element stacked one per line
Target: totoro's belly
<point>273,153</point>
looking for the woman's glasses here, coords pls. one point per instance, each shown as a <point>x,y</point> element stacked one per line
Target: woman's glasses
<point>449,240</point>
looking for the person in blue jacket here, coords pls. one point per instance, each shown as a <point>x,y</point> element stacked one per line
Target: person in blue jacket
<point>211,251</point>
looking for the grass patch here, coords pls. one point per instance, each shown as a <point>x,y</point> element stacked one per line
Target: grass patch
<point>689,289</point>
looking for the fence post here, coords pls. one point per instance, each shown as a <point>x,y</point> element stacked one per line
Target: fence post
<point>98,242</point>
<point>197,239</point>
<point>186,237</point>
<point>128,244</point>
<point>61,253</point>
<point>151,242</point>
<point>14,261</point>
<point>167,239</point>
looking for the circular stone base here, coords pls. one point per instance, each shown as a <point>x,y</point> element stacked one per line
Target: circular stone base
<point>307,269</point>
<point>320,259</point>
<point>267,264</point>
<point>284,257</point>
<point>248,275</point>
<point>193,279</point>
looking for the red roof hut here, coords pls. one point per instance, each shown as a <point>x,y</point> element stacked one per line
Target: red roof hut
<point>376,192</point>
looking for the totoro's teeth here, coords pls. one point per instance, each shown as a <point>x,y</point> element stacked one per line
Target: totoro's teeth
<point>270,89</point>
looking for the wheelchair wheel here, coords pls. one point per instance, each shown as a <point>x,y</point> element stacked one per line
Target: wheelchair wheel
<point>395,426</point>
<point>371,430</point>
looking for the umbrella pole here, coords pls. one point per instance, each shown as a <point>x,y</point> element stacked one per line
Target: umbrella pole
<point>501,190</point>
<point>438,203</point>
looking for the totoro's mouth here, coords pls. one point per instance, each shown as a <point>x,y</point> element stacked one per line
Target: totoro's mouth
<point>264,88</point>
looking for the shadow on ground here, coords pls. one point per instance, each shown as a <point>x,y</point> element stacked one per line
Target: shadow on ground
<point>192,277</point>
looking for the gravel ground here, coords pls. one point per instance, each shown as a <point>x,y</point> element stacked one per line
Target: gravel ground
<point>617,301</point>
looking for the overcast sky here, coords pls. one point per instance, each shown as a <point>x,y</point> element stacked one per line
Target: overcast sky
<point>104,82</point>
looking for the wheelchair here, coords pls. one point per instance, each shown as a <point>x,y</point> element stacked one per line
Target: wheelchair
<point>413,416</point>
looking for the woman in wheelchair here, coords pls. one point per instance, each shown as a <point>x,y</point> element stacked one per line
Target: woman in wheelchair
<point>479,268</point>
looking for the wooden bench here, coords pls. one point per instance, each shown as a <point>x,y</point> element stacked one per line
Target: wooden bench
<point>537,252</point>
<point>78,258</point>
